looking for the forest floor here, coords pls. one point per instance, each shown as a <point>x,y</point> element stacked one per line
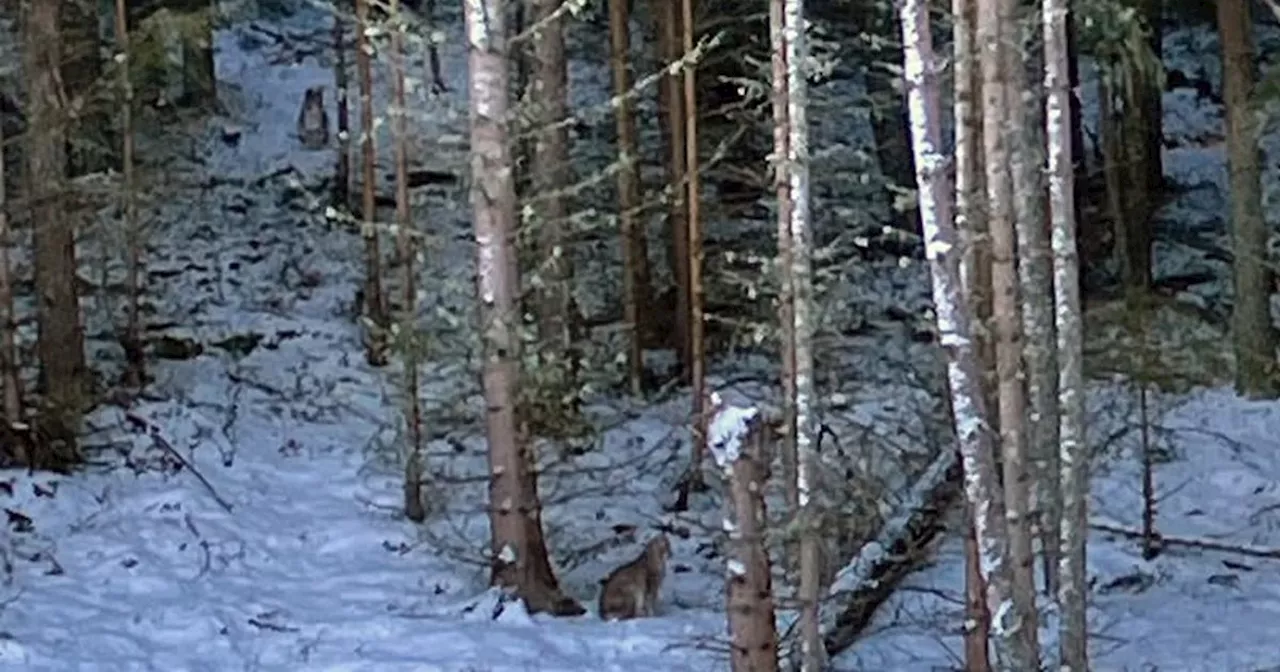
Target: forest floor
<point>245,515</point>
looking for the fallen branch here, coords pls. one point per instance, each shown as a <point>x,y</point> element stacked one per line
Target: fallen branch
<point>157,439</point>
<point>872,575</point>
<point>1190,542</point>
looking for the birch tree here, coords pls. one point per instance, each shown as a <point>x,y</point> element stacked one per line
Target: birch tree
<point>1252,332</point>
<point>1072,574</point>
<point>982,490</point>
<point>519,555</point>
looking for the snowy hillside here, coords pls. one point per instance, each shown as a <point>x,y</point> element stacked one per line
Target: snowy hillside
<point>246,515</point>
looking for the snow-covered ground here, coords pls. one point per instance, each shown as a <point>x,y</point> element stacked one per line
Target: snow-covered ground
<point>245,516</point>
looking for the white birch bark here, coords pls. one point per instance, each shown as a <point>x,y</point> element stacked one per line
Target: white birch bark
<point>812,654</point>
<point>1073,586</point>
<point>954,321</point>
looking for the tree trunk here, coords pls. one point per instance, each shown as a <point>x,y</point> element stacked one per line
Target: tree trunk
<point>737,443</point>
<point>982,489</point>
<point>636,284</point>
<point>1074,454</point>
<point>10,380</point>
<point>997,37</point>
<point>135,373</point>
<point>1255,339</point>
<point>672,102</point>
<point>550,177</point>
<point>803,316</point>
<point>782,191</point>
<point>88,124</point>
<point>407,250</point>
<point>375,304</point>
<point>519,560</point>
<point>60,342</point>
<point>1035,280</point>
<point>975,272</point>
<point>342,173</point>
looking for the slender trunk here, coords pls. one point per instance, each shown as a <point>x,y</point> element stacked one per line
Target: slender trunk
<point>1072,571</point>
<point>982,489</point>
<point>406,249</point>
<point>135,375</point>
<point>696,346</point>
<point>976,282</point>
<point>635,257</point>
<point>342,174</point>
<point>1255,339</point>
<point>519,554</point>
<point>673,100</point>
<point>803,315</point>
<point>10,380</point>
<point>374,302</point>
<point>996,38</point>
<point>782,190</point>
<point>550,177</point>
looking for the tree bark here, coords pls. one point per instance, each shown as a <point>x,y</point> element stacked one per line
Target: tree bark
<point>10,380</point>
<point>135,374</point>
<point>550,178</point>
<point>982,489</point>
<point>375,304</point>
<point>1074,455</point>
<point>737,443</point>
<point>60,341</point>
<point>1252,331</point>
<point>693,200</point>
<point>671,101</point>
<point>636,283</point>
<point>519,561</point>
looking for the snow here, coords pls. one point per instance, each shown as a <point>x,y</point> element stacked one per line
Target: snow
<point>245,514</point>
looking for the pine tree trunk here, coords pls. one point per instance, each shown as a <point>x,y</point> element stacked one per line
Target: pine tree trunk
<point>406,244</point>
<point>982,489</point>
<point>693,201</point>
<point>342,173</point>
<point>135,374</point>
<point>1074,455</point>
<point>10,380</point>
<point>550,180</point>
<point>375,304</point>
<point>782,191</point>
<point>1254,336</point>
<point>60,341</point>
<point>976,280</point>
<point>671,100</point>
<point>519,555</point>
<point>636,283</point>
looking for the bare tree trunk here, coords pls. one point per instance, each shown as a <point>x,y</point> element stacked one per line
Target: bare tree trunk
<point>975,275</point>
<point>672,100</point>
<point>803,315</point>
<point>697,348</point>
<point>1035,279</point>
<point>407,250</point>
<point>375,303</point>
<point>550,177</point>
<point>135,373</point>
<point>87,147</point>
<point>636,285</point>
<point>1073,580</point>
<point>60,341</point>
<point>1255,339</point>
<point>342,174</point>
<point>982,489</point>
<point>10,380</point>
<point>782,190</point>
<point>737,443</point>
<point>519,554</point>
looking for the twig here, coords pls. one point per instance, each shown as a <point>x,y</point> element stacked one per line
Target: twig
<point>1189,542</point>
<point>157,438</point>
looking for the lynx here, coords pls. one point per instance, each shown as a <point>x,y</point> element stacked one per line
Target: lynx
<point>313,120</point>
<point>631,591</point>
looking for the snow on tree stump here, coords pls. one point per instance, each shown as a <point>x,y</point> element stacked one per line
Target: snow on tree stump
<point>736,437</point>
